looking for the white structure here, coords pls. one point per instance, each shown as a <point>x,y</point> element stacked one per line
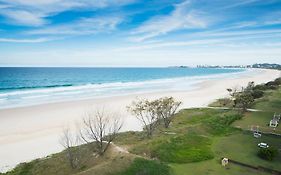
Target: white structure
<point>224,161</point>
<point>274,121</point>
<point>263,145</point>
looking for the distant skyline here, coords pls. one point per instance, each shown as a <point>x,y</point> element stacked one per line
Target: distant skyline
<point>139,33</point>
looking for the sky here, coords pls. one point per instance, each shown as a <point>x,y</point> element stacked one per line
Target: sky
<point>139,33</point>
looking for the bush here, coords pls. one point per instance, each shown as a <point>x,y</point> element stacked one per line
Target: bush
<point>142,166</point>
<point>224,101</point>
<point>261,87</point>
<point>257,93</point>
<point>23,169</point>
<point>278,81</point>
<point>272,85</point>
<point>268,153</point>
<point>220,125</point>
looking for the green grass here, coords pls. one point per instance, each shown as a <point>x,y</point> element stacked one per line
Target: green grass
<point>142,166</point>
<point>57,164</point>
<point>243,148</point>
<point>193,144</point>
<point>192,131</point>
<point>219,125</point>
<point>222,102</point>
<point>184,149</point>
<point>269,104</point>
<point>212,167</point>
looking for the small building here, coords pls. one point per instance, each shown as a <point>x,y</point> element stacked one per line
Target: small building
<point>224,161</point>
<point>274,121</point>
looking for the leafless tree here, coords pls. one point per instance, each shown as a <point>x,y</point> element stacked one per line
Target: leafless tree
<point>100,127</point>
<point>69,141</point>
<point>144,112</point>
<point>165,108</point>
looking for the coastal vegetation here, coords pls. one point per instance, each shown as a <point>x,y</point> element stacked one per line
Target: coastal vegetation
<point>195,141</point>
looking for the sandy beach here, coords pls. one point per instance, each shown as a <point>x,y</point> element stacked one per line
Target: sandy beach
<point>32,132</point>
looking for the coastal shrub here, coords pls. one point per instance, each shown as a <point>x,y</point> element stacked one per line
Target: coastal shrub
<point>272,85</point>
<point>244,100</point>
<point>142,166</point>
<point>278,81</point>
<point>261,87</point>
<point>220,125</point>
<point>22,169</point>
<point>184,149</point>
<point>225,102</point>
<point>257,93</point>
<point>268,153</point>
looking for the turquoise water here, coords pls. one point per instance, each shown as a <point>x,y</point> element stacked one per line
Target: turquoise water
<point>30,86</point>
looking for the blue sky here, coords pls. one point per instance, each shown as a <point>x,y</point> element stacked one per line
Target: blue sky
<point>139,33</point>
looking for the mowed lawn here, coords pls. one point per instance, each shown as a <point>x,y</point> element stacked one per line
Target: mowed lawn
<point>243,148</point>
<point>212,167</point>
<point>269,104</point>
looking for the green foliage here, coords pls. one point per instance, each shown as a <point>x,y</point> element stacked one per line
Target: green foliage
<point>261,87</point>
<point>23,169</point>
<point>184,149</point>
<point>220,125</point>
<point>257,93</point>
<point>273,84</point>
<point>225,102</point>
<point>142,166</point>
<point>244,100</point>
<point>268,153</point>
<point>278,81</point>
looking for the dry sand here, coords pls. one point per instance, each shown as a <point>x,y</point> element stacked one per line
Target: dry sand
<point>32,132</point>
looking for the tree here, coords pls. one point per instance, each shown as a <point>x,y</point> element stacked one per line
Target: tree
<point>257,93</point>
<point>145,112</point>
<point>101,128</point>
<point>68,141</point>
<point>250,86</point>
<point>232,92</point>
<point>268,153</point>
<point>165,108</point>
<point>243,100</point>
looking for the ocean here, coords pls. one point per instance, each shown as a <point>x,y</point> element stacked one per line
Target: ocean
<point>31,86</point>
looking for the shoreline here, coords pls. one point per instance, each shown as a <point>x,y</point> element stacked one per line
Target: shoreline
<point>181,83</point>
<point>32,132</point>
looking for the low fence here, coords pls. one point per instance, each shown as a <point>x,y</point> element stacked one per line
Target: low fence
<point>262,132</point>
<point>258,168</point>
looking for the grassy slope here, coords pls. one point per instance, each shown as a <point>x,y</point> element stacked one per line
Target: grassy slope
<point>195,142</point>
<point>269,104</point>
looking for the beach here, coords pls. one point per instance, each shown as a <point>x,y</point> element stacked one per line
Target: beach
<point>33,132</point>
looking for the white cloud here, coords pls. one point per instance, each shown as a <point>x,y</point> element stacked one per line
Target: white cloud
<point>181,18</point>
<point>208,39</point>
<point>241,3</point>
<point>37,40</point>
<point>33,12</point>
<point>81,27</point>
<point>24,17</point>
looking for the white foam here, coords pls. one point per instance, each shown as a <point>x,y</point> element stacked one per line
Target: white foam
<point>34,96</point>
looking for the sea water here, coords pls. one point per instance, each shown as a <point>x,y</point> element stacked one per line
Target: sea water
<point>31,86</point>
